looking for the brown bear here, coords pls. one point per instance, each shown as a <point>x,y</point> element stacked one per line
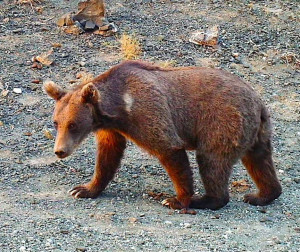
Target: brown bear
<point>166,112</point>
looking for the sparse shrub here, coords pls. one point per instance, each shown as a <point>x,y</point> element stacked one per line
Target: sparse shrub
<point>130,47</point>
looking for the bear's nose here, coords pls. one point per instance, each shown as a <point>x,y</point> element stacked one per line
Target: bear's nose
<point>60,153</point>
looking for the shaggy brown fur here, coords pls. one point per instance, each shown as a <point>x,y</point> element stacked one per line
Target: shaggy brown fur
<point>166,112</point>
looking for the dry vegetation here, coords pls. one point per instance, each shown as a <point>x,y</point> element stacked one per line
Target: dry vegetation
<point>84,77</point>
<point>31,2</point>
<point>167,63</point>
<point>130,47</point>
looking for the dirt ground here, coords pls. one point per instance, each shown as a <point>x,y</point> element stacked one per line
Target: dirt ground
<point>259,41</point>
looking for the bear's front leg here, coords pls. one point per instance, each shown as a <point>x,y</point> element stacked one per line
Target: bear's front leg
<point>110,149</point>
<point>177,165</point>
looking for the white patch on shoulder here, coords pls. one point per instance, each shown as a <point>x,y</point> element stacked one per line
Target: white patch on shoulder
<point>128,101</point>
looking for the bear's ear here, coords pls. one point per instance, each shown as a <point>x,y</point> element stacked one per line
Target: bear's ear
<point>90,94</point>
<point>53,90</point>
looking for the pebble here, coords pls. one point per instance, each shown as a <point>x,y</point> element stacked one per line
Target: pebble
<point>133,220</point>
<point>266,219</point>
<point>22,249</point>
<point>297,180</point>
<point>82,249</point>
<point>186,225</point>
<point>287,181</point>
<point>17,90</point>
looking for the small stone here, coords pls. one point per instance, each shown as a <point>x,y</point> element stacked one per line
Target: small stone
<point>82,63</point>
<point>104,27</point>
<point>83,249</point>
<point>37,81</point>
<point>89,25</point>
<point>187,225</point>
<point>297,180</point>
<point>287,181</point>
<point>208,37</point>
<point>4,93</point>
<point>22,248</point>
<point>17,90</point>
<point>276,240</point>
<point>48,134</point>
<point>266,219</point>
<point>133,220</point>
<point>56,45</point>
<point>66,19</point>
<point>235,54</point>
<point>168,222</point>
<point>262,210</point>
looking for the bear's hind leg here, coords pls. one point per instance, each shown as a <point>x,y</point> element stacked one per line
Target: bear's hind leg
<point>215,176</point>
<point>259,164</point>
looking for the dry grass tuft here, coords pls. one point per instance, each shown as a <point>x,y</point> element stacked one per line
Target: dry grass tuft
<point>167,63</point>
<point>31,2</point>
<point>130,47</point>
<point>84,77</point>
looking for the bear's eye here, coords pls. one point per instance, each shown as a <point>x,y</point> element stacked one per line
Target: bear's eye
<point>72,126</point>
<point>55,125</point>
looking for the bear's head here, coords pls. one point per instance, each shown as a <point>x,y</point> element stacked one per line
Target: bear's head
<point>74,116</point>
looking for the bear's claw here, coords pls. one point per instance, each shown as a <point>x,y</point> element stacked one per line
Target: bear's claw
<point>172,203</point>
<point>83,191</point>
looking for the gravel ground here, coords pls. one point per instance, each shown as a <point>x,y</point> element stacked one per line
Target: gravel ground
<point>259,41</point>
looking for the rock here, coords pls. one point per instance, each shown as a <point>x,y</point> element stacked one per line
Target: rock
<point>45,58</point>
<point>82,249</point>
<point>207,37</point>
<point>187,225</point>
<point>89,25</point>
<point>133,220</point>
<point>73,29</point>
<point>56,45</point>
<point>4,93</point>
<point>22,249</point>
<point>36,81</point>
<point>287,181</point>
<point>48,134</point>
<point>266,219</point>
<point>66,19</point>
<point>297,180</point>
<point>104,27</point>
<point>17,90</point>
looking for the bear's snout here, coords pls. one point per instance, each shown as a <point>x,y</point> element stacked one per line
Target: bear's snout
<point>61,154</point>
